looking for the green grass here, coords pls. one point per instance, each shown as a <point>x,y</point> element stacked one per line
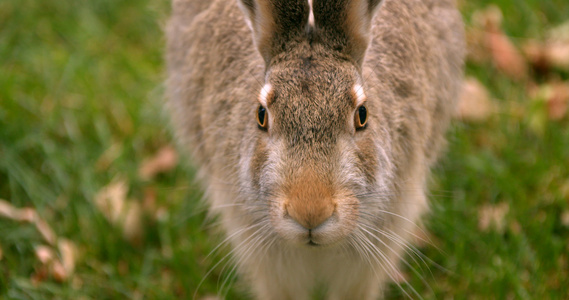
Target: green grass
<point>80,77</point>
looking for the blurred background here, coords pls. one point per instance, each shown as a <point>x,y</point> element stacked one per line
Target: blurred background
<point>96,203</point>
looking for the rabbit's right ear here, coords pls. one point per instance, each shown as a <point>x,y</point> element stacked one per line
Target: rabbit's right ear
<point>275,23</point>
<point>345,25</point>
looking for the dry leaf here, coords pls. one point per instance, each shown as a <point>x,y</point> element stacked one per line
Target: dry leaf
<point>474,103</point>
<point>560,32</point>
<point>565,218</point>
<point>558,46</point>
<point>493,216</point>
<point>558,54</point>
<point>58,271</point>
<point>505,55</point>
<point>68,252</point>
<point>45,230</point>
<point>111,200</point>
<point>556,97</point>
<point>132,223</point>
<point>557,103</point>
<point>1,253</point>
<point>549,54</point>
<point>165,160</point>
<point>16,214</point>
<point>44,254</point>
<point>125,214</point>
<point>28,215</point>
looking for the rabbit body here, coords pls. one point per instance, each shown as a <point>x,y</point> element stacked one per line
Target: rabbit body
<point>310,200</point>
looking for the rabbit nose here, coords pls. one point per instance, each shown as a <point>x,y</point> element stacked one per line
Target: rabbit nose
<point>310,214</point>
<point>310,199</point>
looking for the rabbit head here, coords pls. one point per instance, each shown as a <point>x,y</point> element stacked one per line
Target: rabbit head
<point>319,147</point>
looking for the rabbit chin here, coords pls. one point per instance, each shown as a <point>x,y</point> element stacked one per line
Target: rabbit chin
<point>331,232</point>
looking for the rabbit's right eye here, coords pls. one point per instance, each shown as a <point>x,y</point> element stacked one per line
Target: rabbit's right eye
<point>262,118</point>
<point>360,119</point>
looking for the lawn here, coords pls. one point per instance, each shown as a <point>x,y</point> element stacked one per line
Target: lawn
<point>81,122</point>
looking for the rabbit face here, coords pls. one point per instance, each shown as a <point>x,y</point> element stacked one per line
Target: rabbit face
<point>315,163</point>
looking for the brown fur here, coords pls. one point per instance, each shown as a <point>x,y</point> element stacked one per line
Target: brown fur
<point>300,198</point>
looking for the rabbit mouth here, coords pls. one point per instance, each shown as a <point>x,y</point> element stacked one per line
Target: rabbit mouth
<point>312,244</point>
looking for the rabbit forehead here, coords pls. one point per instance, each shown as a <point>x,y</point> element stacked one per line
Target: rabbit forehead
<point>319,87</point>
<point>311,114</point>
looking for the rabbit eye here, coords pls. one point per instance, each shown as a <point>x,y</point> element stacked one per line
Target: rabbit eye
<point>262,118</point>
<point>360,118</point>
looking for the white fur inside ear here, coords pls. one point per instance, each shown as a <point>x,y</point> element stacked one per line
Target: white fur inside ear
<point>360,95</point>
<point>311,14</point>
<point>264,94</point>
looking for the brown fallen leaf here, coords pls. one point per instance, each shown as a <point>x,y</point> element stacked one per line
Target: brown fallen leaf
<point>50,265</point>
<point>28,215</point>
<point>558,38</point>
<point>125,214</point>
<point>474,102</point>
<point>557,103</point>
<point>132,223</point>
<point>544,56</point>
<point>565,218</point>
<point>1,253</point>
<point>165,160</point>
<point>45,230</point>
<point>16,214</point>
<point>557,54</point>
<point>111,200</point>
<point>68,253</point>
<point>556,97</point>
<point>58,271</point>
<point>504,54</point>
<point>492,216</point>
<point>44,254</point>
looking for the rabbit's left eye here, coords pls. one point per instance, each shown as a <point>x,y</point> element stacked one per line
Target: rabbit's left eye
<point>262,118</point>
<point>360,118</point>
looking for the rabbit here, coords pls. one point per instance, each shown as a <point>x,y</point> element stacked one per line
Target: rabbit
<point>313,125</point>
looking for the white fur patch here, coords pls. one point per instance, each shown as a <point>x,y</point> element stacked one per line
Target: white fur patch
<point>360,95</point>
<point>311,14</point>
<point>264,94</point>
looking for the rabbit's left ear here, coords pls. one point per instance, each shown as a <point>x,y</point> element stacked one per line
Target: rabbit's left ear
<point>345,25</point>
<point>275,23</point>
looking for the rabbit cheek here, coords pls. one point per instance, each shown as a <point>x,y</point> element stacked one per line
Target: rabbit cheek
<point>257,161</point>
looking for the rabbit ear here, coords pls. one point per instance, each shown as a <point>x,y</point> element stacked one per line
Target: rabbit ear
<point>275,23</point>
<point>345,25</point>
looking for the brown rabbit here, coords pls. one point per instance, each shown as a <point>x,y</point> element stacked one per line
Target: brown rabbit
<point>314,124</point>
